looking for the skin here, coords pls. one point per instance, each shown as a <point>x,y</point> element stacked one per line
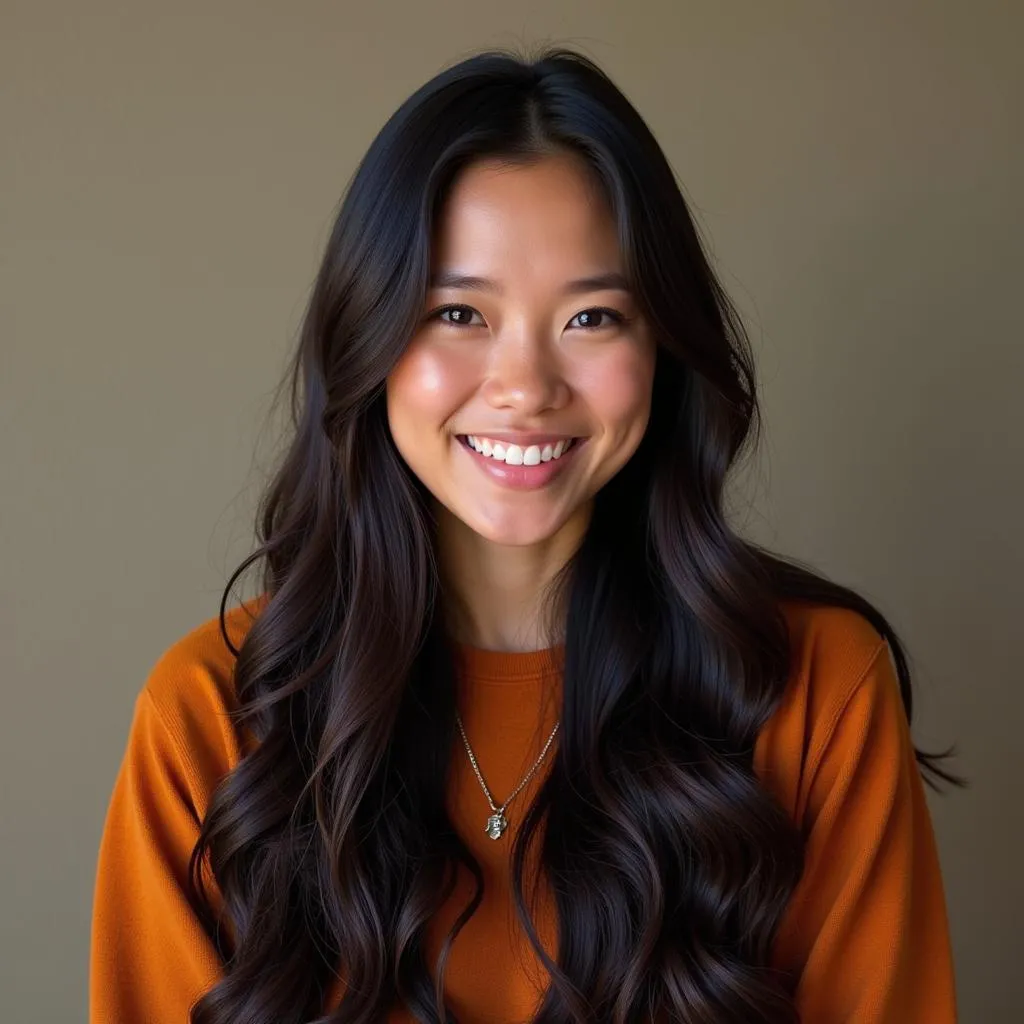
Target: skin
<point>519,360</point>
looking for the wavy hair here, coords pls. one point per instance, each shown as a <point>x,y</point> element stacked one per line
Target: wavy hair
<point>346,677</point>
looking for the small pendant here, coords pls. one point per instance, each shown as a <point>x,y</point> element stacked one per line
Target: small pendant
<point>496,824</point>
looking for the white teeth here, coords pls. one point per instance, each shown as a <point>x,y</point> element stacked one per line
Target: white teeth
<point>514,454</point>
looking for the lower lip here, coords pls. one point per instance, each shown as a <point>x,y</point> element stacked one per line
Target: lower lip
<point>521,478</point>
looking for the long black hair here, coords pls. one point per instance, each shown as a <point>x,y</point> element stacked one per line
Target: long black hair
<point>346,677</point>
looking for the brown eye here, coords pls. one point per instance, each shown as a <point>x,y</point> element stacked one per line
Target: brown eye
<point>459,316</point>
<point>591,319</point>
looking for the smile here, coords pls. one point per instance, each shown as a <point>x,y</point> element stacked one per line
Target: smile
<point>521,468</point>
<point>518,455</point>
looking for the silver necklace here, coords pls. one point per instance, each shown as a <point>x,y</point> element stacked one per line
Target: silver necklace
<point>497,822</point>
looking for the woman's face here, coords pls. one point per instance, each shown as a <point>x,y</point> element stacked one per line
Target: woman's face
<point>527,340</point>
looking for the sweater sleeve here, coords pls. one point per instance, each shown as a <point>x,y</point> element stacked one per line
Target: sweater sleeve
<point>867,924</point>
<point>150,957</point>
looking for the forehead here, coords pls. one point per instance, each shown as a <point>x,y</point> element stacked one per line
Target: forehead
<point>549,211</point>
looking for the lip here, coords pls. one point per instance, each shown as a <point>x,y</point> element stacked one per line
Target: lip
<point>520,478</point>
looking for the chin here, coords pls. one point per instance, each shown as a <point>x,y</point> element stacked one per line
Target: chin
<point>514,534</point>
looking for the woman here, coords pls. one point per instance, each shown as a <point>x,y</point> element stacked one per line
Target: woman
<point>518,728</point>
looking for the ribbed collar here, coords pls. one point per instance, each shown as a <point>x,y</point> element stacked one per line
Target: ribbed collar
<point>479,664</point>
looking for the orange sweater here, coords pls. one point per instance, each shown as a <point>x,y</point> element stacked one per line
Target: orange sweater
<point>866,930</point>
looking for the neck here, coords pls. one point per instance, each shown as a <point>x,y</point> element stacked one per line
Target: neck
<point>494,594</point>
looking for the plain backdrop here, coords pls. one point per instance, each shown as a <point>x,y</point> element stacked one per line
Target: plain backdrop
<point>168,176</point>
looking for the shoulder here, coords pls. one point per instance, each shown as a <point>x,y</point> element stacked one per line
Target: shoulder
<point>190,689</point>
<point>831,650</point>
<point>826,629</point>
<point>836,655</point>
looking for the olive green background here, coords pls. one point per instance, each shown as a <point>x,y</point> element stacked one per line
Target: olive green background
<point>168,176</point>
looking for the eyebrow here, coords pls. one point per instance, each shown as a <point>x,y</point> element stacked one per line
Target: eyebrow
<point>611,281</point>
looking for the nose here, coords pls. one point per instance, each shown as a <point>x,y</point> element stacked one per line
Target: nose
<point>525,374</point>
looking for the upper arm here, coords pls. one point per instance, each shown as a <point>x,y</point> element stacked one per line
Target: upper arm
<point>866,930</point>
<point>150,957</point>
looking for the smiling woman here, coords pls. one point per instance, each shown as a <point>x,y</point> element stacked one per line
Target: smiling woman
<point>518,728</point>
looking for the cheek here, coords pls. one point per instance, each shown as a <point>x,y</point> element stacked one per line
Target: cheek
<point>618,388</point>
<point>424,389</point>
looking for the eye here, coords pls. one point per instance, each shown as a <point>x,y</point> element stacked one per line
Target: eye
<point>589,318</point>
<point>460,315</point>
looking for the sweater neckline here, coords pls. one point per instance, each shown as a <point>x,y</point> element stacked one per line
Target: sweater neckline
<point>480,664</point>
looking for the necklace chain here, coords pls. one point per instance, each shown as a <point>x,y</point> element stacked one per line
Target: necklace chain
<point>497,822</point>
